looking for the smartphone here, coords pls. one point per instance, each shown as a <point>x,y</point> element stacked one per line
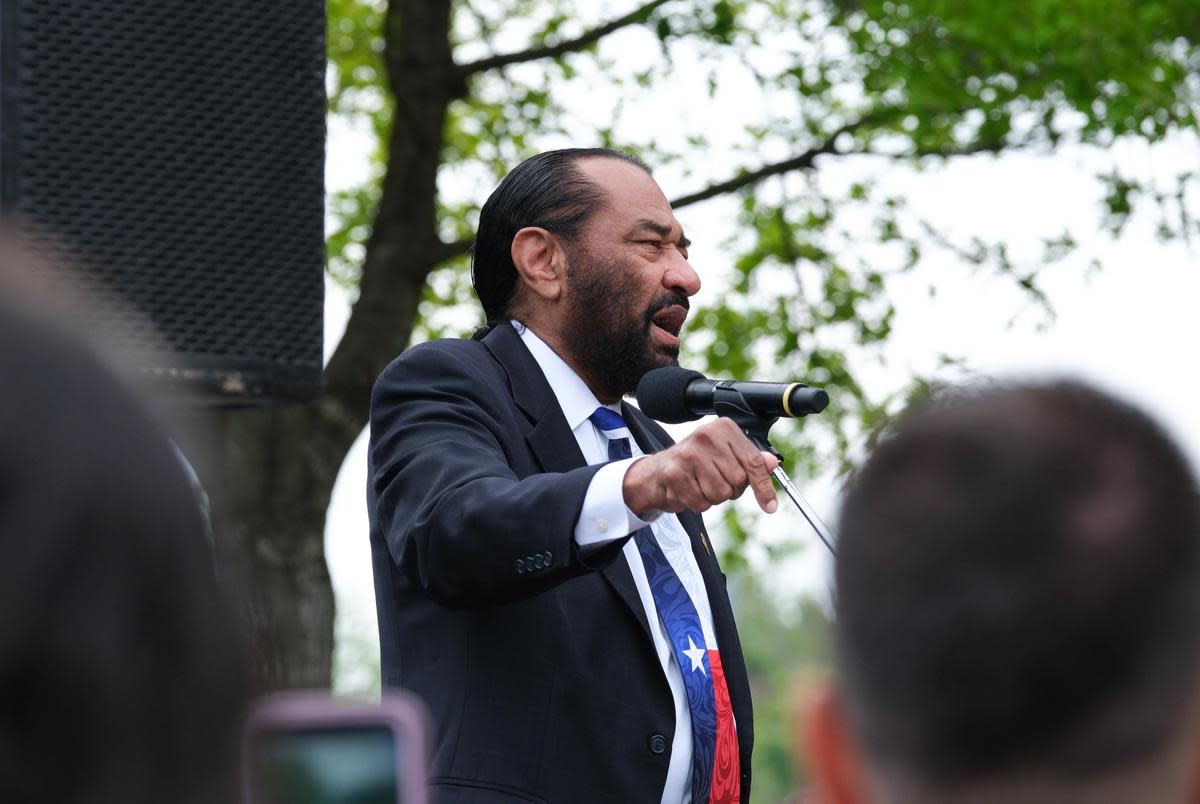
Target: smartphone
<point>311,748</point>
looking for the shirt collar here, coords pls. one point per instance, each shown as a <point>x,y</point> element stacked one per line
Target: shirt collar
<point>574,397</point>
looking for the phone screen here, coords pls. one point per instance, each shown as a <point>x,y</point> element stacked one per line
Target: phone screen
<point>327,765</point>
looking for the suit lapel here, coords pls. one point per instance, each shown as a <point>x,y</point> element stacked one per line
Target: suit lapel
<point>620,578</point>
<point>552,441</point>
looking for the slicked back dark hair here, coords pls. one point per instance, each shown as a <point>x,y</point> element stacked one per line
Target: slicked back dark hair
<point>547,190</point>
<point>1018,587</point>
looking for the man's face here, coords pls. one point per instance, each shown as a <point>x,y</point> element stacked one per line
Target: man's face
<point>628,282</point>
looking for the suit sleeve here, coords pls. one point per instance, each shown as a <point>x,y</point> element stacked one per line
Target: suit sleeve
<point>458,521</point>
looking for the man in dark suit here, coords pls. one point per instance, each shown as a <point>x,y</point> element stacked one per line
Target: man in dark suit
<point>571,635</point>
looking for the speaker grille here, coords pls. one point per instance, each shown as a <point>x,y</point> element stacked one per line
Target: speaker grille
<point>176,148</point>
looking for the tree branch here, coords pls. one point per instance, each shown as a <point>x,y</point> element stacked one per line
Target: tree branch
<point>963,150</point>
<point>806,160</point>
<point>799,162</point>
<point>638,15</point>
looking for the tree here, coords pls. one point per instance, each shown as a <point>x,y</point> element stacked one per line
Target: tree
<point>788,656</point>
<point>455,93</point>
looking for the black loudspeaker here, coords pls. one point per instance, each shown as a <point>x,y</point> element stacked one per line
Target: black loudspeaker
<point>175,150</point>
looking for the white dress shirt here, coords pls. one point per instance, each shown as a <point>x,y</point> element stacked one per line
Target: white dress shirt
<point>605,517</point>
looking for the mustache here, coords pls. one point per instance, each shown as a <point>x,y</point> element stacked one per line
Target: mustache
<point>667,299</point>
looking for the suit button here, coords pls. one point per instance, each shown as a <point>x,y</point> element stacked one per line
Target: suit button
<point>539,562</point>
<point>658,743</point>
<point>547,555</point>
<point>520,567</point>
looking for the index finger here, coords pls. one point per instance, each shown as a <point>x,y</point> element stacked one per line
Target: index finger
<point>764,490</point>
<point>759,465</point>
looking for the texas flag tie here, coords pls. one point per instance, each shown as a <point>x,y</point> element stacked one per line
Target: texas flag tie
<point>715,764</point>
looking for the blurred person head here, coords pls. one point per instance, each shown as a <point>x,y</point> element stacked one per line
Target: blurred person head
<point>1017,594</point>
<point>121,678</point>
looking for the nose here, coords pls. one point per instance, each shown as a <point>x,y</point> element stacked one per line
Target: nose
<point>680,274</point>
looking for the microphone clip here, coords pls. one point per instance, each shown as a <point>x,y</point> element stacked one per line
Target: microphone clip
<point>730,403</point>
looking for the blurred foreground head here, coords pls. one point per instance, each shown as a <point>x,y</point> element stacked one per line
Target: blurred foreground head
<point>120,679</point>
<point>1018,608</point>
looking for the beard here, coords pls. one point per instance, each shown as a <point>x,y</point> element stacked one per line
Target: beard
<point>607,337</point>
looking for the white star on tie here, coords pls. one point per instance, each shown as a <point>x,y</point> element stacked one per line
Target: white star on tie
<point>696,655</point>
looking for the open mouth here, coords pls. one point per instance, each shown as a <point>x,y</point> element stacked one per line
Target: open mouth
<point>670,319</point>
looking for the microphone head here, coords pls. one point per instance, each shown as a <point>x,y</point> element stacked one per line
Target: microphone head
<point>660,394</point>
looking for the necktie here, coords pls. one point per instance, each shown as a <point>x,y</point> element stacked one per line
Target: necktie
<point>715,763</point>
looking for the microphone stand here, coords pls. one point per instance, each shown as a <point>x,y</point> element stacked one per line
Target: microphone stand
<point>730,403</point>
<point>802,504</point>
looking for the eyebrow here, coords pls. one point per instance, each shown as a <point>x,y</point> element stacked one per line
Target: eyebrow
<point>661,230</point>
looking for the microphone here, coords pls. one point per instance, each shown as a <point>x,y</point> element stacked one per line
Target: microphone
<point>674,394</point>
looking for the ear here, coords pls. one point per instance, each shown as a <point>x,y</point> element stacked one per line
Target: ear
<point>540,261</point>
<point>833,754</point>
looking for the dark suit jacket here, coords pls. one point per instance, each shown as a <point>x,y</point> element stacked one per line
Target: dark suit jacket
<point>535,659</point>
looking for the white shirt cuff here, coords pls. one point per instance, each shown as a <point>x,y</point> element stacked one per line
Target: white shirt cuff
<point>604,516</point>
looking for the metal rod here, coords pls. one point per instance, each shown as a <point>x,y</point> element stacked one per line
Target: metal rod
<point>807,510</point>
